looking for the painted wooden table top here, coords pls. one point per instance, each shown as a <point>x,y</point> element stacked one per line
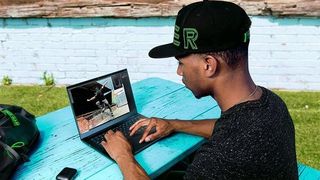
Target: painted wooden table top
<point>60,146</point>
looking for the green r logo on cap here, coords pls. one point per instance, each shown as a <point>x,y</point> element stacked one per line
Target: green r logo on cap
<point>190,35</point>
<point>176,36</point>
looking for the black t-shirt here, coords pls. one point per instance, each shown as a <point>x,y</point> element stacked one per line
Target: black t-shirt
<point>251,140</point>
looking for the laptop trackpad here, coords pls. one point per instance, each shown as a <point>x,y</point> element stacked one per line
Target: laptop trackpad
<point>134,139</point>
<point>141,130</point>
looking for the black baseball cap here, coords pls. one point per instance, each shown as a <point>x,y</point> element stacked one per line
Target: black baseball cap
<point>206,26</point>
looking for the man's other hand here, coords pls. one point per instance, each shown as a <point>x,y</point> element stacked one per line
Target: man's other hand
<point>117,145</point>
<point>163,128</point>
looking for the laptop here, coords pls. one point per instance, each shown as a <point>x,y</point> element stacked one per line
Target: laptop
<point>105,103</point>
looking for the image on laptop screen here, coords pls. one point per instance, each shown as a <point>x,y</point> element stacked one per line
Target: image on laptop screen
<point>98,102</point>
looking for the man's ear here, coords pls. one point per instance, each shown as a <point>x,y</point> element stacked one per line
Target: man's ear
<point>210,65</point>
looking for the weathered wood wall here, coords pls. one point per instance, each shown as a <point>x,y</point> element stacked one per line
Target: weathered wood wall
<point>144,8</point>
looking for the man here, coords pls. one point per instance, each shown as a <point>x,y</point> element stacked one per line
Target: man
<point>101,102</point>
<point>254,137</point>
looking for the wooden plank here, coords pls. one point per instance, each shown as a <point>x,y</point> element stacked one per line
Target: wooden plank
<point>55,118</point>
<point>144,8</point>
<point>153,88</point>
<point>180,104</point>
<point>308,173</point>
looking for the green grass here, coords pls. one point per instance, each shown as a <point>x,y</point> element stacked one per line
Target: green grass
<point>304,108</point>
<point>38,100</point>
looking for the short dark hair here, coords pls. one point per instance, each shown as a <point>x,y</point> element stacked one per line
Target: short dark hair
<point>233,57</point>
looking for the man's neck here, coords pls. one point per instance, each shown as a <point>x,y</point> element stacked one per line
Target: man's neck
<point>235,89</point>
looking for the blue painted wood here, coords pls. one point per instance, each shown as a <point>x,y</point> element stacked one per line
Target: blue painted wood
<point>60,144</point>
<point>308,173</point>
<point>148,90</point>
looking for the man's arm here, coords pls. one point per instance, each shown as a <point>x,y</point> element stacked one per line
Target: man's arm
<point>131,169</point>
<point>202,128</point>
<point>120,150</point>
<point>164,127</point>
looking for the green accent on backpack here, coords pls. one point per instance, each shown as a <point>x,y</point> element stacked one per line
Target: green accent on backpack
<point>19,134</point>
<point>13,118</point>
<point>18,144</point>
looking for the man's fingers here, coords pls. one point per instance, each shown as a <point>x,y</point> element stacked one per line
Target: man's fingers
<point>146,131</point>
<point>119,133</point>
<point>152,137</point>
<point>140,120</point>
<point>104,144</point>
<point>108,134</point>
<point>135,129</point>
<point>138,126</point>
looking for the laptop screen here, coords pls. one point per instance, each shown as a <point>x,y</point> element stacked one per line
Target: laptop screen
<point>101,101</point>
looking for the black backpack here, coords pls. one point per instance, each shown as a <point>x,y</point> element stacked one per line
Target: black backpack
<point>18,134</point>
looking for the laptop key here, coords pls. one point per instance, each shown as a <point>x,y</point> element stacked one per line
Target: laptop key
<point>98,139</point>
<point>124,128</point>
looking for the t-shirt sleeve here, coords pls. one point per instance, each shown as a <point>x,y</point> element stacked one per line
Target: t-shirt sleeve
<point>211,160</point>
<point>205,165</point>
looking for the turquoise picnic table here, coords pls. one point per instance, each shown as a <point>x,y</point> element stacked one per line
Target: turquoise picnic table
<point>60,146</point>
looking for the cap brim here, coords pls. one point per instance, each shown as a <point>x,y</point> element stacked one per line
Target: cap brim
<point>165,51</point>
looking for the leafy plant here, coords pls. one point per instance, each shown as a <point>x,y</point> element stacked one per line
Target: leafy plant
<point>6,80</point>
<point>48,79</point>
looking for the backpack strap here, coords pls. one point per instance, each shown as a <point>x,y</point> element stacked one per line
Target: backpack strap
<point>3,117</point>
<point>12,151</point>
<point>11,116</point>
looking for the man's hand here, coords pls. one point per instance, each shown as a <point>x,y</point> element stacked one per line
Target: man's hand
<point>163,128</point>
<point>117,145</point>
<point>120,150</point>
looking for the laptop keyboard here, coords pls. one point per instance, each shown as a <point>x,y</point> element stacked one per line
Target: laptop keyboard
<point>124,128</point>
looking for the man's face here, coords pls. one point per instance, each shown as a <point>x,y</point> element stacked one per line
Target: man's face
<point>189,69</point>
